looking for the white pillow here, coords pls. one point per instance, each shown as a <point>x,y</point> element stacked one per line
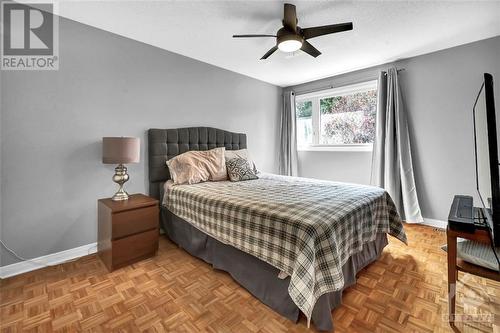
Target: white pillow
<point>198,166</point>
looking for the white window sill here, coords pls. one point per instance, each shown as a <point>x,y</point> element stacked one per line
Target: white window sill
<point>340,148</point>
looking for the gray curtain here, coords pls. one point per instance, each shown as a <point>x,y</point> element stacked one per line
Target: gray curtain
<point>392,166</point>
<point>288,142</point>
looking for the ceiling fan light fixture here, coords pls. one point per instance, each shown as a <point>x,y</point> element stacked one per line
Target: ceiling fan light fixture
<point>290,45</point>
<point>291,38</point>
<point>289,42</point>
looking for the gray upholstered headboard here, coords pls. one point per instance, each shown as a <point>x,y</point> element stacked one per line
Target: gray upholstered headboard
<point>166,143</point>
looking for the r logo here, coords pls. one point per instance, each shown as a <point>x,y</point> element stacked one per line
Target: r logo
<point>30,36</point>
<point>27,30</point>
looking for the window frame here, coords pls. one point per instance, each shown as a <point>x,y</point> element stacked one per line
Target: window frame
<point>315,98</point>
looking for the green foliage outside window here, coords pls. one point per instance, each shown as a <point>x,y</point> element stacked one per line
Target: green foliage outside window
<point>348,119</point>
<point>304,109</point>
<point>364,101</point>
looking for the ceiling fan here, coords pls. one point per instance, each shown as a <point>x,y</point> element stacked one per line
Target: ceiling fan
<point>291,37</point>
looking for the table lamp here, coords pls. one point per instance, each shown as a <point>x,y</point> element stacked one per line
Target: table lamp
<point>120,150</point>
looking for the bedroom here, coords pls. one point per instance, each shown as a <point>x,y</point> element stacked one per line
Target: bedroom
<point>124,68</point>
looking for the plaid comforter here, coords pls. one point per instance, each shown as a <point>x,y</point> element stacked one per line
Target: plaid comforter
<point>305,228</point>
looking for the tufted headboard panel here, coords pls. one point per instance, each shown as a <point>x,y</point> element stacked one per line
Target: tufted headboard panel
<point>163,144</point>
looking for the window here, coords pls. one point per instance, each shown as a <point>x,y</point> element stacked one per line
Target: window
<point>337,119</point>
<point>304,122</point>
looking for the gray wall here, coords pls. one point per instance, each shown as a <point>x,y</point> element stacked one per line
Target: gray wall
<point>107,85</point>
<point>341,166</point>
<point>439,90</point>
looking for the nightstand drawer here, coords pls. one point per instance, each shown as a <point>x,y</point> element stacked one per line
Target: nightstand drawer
<point>134,221</point>
<point>133,248</point>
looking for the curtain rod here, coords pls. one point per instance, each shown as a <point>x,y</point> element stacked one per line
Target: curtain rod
<point>398,70</point>
<point>331,86</point>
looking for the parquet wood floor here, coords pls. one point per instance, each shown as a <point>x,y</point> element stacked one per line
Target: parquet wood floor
<point>404,291</point>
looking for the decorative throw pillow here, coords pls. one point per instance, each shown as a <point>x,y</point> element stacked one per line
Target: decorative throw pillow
<point>238,169</point>
<point>198,166</point>
<point>241,153</point>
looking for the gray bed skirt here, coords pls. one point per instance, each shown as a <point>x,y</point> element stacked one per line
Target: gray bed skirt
<point>260,278</point>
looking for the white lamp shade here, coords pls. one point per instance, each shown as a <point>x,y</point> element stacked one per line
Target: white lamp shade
<point>120,150</point>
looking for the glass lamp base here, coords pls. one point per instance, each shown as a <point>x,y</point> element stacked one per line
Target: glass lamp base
<point>120,195</point>
<point>120,177</point>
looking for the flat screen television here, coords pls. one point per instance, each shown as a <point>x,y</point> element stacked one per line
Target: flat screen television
<point>486,157</point>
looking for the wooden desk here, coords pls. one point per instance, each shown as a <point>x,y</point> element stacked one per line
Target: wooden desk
<point>455,264</point>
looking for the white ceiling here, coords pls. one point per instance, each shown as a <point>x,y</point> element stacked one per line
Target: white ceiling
<point>384,31</point>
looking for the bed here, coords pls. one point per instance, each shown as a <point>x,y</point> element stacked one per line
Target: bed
<point>294,243</point>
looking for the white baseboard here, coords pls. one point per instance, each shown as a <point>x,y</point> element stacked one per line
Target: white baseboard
<point>435,223</point>
<point>48,260</point>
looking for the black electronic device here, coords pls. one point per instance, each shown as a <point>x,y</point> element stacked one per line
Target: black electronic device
<point>461,217</point>
<point>486,157</point>
<point>464,216</point>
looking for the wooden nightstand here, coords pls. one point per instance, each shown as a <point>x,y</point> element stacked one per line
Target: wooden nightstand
<point>128,230</point>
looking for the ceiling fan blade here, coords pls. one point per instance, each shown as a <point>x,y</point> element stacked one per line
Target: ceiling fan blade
<point>271,51</point>
<point>247,36</point>
<point>325,30</point>
<point>309,49</point>
<point>290,17</point>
